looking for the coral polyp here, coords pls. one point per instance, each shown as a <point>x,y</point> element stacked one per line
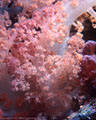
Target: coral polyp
<point>44,64</point>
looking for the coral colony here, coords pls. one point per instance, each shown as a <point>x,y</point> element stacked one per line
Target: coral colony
<point>46,71</point>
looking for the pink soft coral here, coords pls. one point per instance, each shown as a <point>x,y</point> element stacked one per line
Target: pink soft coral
<point>35,63</point>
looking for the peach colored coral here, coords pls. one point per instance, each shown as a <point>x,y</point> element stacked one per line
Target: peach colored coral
<point>40,57</point>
